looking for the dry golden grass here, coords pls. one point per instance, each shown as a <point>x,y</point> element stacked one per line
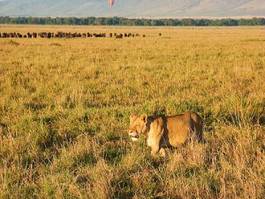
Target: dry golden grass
<point>65,104</point>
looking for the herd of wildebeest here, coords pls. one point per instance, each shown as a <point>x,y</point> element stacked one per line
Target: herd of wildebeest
<point>67,35</point>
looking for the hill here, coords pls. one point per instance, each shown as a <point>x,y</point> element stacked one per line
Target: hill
<point>134,8</point>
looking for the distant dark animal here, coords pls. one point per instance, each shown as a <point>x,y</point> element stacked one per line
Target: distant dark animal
<point>66,35</point>
<point>119,36</point>
<point>29,35</point>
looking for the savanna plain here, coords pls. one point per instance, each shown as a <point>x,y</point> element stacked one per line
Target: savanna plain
<point>65,107</point>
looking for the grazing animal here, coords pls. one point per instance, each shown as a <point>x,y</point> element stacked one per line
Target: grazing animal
<point>166,131</point>
<point>119,36</point>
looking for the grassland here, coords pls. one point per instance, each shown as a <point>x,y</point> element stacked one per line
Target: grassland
<point>65,106</point>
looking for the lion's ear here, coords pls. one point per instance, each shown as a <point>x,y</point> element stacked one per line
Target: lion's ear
<point>133,116</point>
<point>144,118</point>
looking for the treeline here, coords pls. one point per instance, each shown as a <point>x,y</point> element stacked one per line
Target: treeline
<point>119,21</point>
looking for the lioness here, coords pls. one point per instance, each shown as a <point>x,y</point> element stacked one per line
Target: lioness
<point>166,131</point>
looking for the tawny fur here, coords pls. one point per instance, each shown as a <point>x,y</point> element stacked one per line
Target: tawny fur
<point>167,131</point>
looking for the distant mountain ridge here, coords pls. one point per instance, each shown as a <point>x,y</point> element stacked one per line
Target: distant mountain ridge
<point>133,8</point>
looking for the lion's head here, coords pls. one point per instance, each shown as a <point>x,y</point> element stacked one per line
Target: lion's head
<point>138,126</point>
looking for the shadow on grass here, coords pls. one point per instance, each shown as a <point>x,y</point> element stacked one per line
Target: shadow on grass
<point>35,106</point>
<point>3,129</point>
<point>85,159</point>
<point>123,187</point>
<point>236,119</point>
<point>113,153</point>
<point>252,114</point>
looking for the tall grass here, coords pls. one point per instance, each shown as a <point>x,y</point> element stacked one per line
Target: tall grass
<point>65,104</point>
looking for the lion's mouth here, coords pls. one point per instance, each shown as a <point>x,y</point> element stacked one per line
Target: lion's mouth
<point>134,136</point>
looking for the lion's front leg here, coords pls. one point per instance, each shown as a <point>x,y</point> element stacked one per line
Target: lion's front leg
<point>162,152</point>
<point>155,149</point>
<point>155,145</point>
<point>154,137</point>
<point>158,151</point>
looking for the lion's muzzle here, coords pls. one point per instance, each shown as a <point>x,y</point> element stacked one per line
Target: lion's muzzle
<point>134,135</point>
